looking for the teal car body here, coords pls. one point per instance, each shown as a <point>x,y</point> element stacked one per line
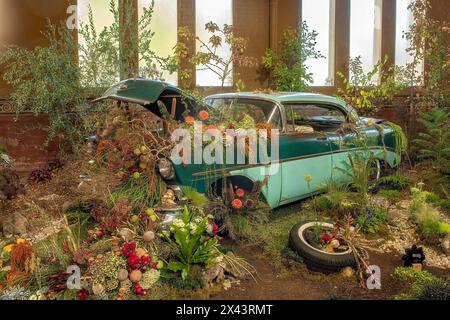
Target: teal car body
<point>307,160</point>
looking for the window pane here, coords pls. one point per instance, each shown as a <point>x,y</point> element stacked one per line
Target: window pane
<point>317,14</point>
<point>164,25</point>
<point>365,32</point>
<point>100,9</point>
<point>404,19</point>
<point>220,12</point>
<point>95,74</point>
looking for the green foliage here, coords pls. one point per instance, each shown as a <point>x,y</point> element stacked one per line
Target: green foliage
<point>209,58</point>
<point>323,203</point>
<point>288,67</point>
<point>427,216</point>
<point>426,37</point>
<point>394,182</point>
<point>422,284</point>
<point>191,283</point>
<point>401,140</point>
<point>196,198</point>
<point>435,290</point>
<point>360,169</point>
<point>120,50</point>
<point>434,142</point>
<point>411,275</point>
<point>45,80</point>
<point>187,238</point>
<point>136,190</point>
<point>391,195</point>
<point>364,90</point>
<point>371,222</point>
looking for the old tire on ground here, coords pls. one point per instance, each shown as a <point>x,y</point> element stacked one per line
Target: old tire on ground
<point>315,259</point>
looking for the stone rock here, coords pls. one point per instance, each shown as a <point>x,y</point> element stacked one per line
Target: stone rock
<point>214,274</point>
<point>10,185</point>
<point>445,244</point>
<point>15,224</point>
<point>347,272</point>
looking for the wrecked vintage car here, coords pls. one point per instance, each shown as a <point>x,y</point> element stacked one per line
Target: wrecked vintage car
<point>318,135</point>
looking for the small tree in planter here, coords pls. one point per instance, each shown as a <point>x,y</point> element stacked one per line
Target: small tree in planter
<point>288,67</point>
<point>209,58</point>
<point>45,80</point>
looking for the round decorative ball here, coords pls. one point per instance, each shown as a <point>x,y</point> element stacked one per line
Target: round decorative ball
<point>149,236</point>
<point>123,275</point>
<point>136,276</point>
<point>335,243</point>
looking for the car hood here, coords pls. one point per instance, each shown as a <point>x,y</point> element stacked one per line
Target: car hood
<point>148,92</point>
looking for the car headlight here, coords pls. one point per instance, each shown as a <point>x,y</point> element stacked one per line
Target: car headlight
<point>166,169</point>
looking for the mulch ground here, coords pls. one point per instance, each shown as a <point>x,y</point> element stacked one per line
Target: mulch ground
<point>300,284</point>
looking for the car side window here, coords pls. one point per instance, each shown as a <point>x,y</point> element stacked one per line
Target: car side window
<point>308,118</point>
<point>248,111</point>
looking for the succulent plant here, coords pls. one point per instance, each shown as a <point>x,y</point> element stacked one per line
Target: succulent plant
<point>15,293</point>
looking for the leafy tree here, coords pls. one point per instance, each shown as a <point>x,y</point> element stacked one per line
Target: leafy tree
<point>122,49</point>
<point>209,57</point>
<point>288,66</point>
<point>45,80</point>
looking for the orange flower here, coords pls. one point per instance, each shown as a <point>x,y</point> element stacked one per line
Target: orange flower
<point>189,120</point>
<point>211,127</point>
<point>203,115</point>
<point>237,204</point>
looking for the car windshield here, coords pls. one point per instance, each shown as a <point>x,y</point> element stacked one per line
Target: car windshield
<point>248,110</point>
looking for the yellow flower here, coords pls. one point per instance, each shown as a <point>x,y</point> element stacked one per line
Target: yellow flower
<point>8,248</point>
<point>21,241</point>
<point>308,177</point>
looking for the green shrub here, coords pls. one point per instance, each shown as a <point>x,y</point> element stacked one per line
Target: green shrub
<point>191,283</point>
<point>431,197</point>
<point>444,203</point>
<point>422,285</point>
<point>427,216</point>
<point>323,203</point>
<point>411,275</point>
<point>434,142</point>
<point>371,222</point>
<point>436,290</point>
<point>394,182</point>
<point>391,195</point>
<point>288,67</point>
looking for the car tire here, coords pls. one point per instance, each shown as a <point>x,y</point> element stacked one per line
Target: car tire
<point>318,260</point>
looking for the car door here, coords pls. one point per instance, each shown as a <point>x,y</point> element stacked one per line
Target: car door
<point>305,152</point>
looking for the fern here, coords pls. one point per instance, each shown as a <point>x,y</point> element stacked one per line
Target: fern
<point>434,142</point>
